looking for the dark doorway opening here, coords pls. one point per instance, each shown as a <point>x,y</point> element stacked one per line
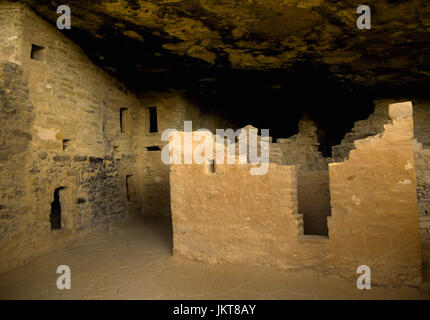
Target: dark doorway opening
<point>314,201</point>
<point>55,216</point>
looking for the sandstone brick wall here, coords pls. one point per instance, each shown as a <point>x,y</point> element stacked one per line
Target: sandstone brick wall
<point>231,216</point>
<point>61,118</point>
<point>11,26</point>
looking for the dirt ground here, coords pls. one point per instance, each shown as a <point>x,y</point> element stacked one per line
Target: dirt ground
<point>134,261</point>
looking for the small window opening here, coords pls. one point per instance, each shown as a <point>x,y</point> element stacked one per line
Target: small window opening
<point>153,120</point>
<point>153,148</point>
<point>124,120</point>
<point>116,148</point>
<point>66,144</point>
<point>37,52</point>
<point>55,216</point>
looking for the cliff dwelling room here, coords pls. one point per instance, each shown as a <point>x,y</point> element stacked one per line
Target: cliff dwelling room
<point>200,150</point>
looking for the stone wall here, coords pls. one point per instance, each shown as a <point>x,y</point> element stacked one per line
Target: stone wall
<point>11,27</point>
<point>60,129</point>
<point>233,217</point>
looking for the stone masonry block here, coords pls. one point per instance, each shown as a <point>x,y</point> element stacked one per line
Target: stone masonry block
<point>400,110</point>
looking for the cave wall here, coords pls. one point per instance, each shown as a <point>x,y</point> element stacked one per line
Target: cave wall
<point>60,128</point>
<point>254,220</point>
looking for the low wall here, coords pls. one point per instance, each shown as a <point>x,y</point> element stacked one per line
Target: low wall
<point>230,216</point>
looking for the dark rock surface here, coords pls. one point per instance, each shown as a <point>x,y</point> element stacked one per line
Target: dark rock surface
<point>195,42</point>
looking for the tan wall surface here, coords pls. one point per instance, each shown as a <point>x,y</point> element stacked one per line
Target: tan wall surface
<point>233,217</point>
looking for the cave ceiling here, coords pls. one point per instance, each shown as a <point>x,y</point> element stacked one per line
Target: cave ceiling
<point>190,43</point>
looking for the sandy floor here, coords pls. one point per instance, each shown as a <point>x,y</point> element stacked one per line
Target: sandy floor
<point>135,262</point>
